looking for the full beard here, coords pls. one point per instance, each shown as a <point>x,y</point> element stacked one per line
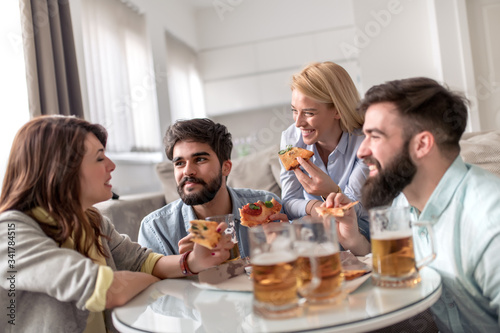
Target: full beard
<point>208,192</point>
<point>381,189</point>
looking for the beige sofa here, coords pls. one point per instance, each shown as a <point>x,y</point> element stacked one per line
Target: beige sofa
<point>261,171</point>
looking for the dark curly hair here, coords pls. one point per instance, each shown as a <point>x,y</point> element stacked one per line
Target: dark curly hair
<point>200,130</point>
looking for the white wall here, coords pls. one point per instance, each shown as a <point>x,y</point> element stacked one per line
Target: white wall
<point>404,38</point>
<point>394,40</point>
<point>249,53</point>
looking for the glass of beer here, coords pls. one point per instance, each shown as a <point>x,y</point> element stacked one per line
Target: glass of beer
<point>231,230</point>
<point>274,271</point>
<point>393,254</point>
<point>319,266</point>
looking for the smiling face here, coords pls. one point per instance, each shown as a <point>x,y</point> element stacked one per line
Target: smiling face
<point>386,152</point>
<point>316,120</point>
<point>198,172</point>
<point>95,173</point>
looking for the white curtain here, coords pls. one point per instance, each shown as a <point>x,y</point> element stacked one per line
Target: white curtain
<point>185,86</point>
<point>120,77</point>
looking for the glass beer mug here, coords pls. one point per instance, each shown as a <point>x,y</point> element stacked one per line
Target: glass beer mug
<point>319,265</point>
<point>393,254</point>
<point>231,230</point>
<point>274,271</point>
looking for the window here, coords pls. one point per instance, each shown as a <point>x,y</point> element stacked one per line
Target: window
<point>13,90</point>
<point>119,74</point>
<point>184,82</point>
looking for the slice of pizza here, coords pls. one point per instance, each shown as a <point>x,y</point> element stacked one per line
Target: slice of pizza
<point>205,233</point>
<point>353,274</point>
<point>289,156</point>
<point>253,214</point>
<point>337,211</point>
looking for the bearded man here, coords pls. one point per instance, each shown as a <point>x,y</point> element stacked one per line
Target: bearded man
<point>412,130</point>
<point>200,151</point>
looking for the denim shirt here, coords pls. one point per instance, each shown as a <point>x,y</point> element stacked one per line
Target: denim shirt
<point>464,211</point>
<point>344,168</point>
<point>164,228</point>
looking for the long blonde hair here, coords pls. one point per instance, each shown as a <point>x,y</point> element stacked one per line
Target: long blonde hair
<point>329,83</point>
<point>43,170</point>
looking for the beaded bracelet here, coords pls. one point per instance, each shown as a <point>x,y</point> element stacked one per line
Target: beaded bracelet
<point>184,265</point>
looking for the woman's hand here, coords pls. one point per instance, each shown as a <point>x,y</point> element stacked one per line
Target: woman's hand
<point>186,244</point>
<point>199,259</point>
<point>317,183</point>
<point>347,226</point>
<point>202,258</point>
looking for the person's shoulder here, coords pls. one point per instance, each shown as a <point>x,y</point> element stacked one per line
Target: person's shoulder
<point>356,137</point>
<point>250,195</point>
<point>291,136</point>
<point>485,182</point>
<point>162,214</point>
<point>16,216</point>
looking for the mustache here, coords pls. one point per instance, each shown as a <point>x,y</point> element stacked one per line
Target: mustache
<point>191,180</point>
<point>371,160</point>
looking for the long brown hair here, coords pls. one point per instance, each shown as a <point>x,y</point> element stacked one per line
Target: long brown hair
<point>43,170</point>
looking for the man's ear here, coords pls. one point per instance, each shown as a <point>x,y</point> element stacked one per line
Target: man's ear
<point>422,144</point>
<point>226,167</point>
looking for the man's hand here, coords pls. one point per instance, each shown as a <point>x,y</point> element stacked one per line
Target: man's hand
<point>317,183</point>
<point>347,226</point>
<point>280,217</point>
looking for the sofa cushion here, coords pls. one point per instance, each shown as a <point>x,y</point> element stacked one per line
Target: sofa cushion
<point>165,171</point>
<point>482,149</point>
<point>259,171</point>
<point>127,212</point>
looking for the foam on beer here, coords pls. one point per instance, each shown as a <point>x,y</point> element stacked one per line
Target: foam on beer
<point>272,258</point>
<point>308,249</point>
<point>388,234</point>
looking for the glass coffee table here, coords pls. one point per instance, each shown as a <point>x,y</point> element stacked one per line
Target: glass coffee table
<point>177,305</point>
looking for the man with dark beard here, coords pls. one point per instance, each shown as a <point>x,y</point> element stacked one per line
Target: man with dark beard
<point>412,129</point>
<point>200,151</point>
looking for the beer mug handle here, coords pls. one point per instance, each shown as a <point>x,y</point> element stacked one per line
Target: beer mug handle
<point>316,276</point>
<point>430,233</point>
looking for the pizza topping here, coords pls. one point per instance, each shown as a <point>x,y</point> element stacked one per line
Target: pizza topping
<point>253,214</point>
<point>252,209</point>
<point>288,148</point>
<point>204,233</point>
<point>288,156</point>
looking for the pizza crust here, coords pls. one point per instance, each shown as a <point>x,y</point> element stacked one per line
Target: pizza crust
<point>253,220</point>
<point>205,233</point>
<point>289,157</point>
<point>353,274</point>
<point>337,211</point>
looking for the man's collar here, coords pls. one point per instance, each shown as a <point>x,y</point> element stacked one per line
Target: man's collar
<point>444,191</point>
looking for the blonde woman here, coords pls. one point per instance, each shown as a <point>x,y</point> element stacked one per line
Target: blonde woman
<point>324,100</point>
<point>66,262</point>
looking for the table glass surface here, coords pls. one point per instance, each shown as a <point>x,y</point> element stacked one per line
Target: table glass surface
<point>176,305</point>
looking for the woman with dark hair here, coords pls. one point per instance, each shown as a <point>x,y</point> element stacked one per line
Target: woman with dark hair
<point>65,262</point>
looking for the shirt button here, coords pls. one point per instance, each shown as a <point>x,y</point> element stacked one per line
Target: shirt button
<point>451,305</point>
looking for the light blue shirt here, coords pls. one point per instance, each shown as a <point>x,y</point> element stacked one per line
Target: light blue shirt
<point>164,228</point>
<point>464,210</point>
<point>344,167</point>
